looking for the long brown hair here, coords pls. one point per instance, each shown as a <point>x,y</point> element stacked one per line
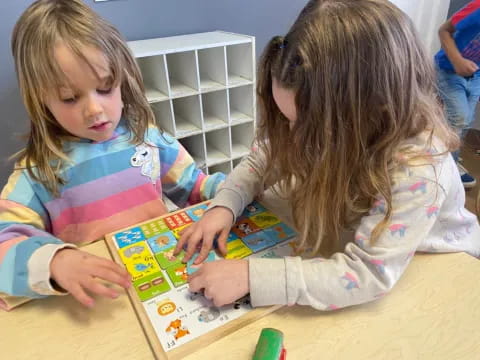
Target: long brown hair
<point>38,31</point>
<point>363,85</point>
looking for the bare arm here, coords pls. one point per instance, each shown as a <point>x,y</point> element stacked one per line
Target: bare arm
<point>462,66</point>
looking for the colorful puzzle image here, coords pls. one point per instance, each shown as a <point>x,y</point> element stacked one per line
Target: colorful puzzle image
<point>159,278</point>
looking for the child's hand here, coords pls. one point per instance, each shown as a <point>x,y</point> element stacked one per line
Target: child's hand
<point>217,221</point>
<point>75,271</point>
<point>222,281</point>
<point>465,67</point>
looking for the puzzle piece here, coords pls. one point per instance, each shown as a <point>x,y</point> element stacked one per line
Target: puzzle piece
<point>236,249</point>
<point>151,286</point>
<point>245,227</point>
<point>166,258</point>
<point>191,268</point>
<point>265,219</point>
<point>258,241</point>
<point>197,212</point>
<point>154,228</point>
<point>162,242</point>
<point>280,232</point>
<point>129,237</point>
<point>253,208</point>
<point>177,220</point>
<point>178,274</point>
<point>138,260</point>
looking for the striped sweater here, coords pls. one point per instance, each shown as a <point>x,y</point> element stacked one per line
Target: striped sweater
<point>109,185</point>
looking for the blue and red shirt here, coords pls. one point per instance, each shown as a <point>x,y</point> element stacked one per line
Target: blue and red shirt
<point>467,35</point>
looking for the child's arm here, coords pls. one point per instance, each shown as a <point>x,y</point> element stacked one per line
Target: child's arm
<point>28,251</point>
<point>233,196</point>
<point>462,66</point>
<point>243,183</point>
<point>26,247</point>
<point>182,181</point>
<point>365,270</point>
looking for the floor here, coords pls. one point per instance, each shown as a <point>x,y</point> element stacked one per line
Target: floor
<point>471,161</point>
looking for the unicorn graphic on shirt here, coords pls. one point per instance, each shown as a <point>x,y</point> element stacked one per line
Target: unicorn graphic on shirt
<point>432,211</point>
<point>379,264</point>
<point>378,207</point>
<point>148,158</point>
<point>397,229</point>
<point>360,240</point>
<point>418,186</point>
<point>352,281</point>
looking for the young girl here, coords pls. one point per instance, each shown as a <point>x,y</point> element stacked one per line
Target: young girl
<point>351,134</point>
<point>94,161</point>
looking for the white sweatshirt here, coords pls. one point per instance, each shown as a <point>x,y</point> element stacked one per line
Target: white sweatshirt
<point>428,215</point>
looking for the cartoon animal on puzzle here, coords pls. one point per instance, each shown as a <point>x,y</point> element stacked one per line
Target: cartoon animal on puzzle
<point>166,307</point>
<point>162,240</point>
<point>198,212</point>
<point>176,329</point>
<point>209,314</point>
<point>169,255</point>
<point>140,267</point>
<point>133,250</point>
<point>245,228</point>
<point>182,272</point>
<point>251,208</point>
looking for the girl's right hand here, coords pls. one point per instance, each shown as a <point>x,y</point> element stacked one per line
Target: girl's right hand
<point>76,272</point>
<point>217,221</point>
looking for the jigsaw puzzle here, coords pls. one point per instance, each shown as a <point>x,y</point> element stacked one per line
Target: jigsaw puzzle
<point>172,316</point>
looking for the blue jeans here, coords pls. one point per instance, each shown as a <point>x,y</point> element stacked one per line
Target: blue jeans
<point>460,97</point>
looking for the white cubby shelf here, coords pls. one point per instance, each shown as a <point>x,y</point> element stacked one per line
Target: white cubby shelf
<point>201,88</point>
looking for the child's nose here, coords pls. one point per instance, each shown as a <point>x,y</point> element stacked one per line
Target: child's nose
<point>94,107</point>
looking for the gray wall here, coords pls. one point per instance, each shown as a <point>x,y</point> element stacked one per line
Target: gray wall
<point>456,5</point>
<point>139,19</point>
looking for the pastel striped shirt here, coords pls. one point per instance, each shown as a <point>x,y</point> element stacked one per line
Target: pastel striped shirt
<point>109,185</point>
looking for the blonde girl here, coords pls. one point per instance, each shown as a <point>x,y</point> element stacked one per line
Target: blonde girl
<point>94,162</point>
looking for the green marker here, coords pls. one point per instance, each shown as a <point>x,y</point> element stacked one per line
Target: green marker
<point>270,345</point>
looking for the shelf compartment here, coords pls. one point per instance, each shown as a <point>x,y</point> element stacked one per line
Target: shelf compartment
<point>242,138</point>
<point>225,168</point>
<point>182,74</point>
<point>195,145</point>
<point>187,116</point>
<point>154,73</point>
<point>236,161</point>
<point>218,146</point>
<point>241,104</point>
<point>212,66</point>
<point>240,64</point>
<point>215,110</point>
<point>163,112</point>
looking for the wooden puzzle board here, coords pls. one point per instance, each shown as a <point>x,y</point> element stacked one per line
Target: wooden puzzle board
<point>176,321</point>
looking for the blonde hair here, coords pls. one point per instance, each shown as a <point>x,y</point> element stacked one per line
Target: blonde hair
<point>36,34</point>
<point>362,85</point>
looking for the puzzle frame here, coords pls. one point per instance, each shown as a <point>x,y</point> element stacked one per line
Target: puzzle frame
<point>142,296</point>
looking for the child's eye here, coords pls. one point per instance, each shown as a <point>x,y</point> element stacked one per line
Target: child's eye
<point>104,91</point>
<point>70,100</point>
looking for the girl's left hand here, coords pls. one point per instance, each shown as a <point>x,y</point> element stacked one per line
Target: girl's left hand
<point>222,281</point>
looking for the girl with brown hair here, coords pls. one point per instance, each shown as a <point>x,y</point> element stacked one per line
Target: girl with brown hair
<point>352,135</point>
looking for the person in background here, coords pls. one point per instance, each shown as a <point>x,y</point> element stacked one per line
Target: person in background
<point>457,66</point>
